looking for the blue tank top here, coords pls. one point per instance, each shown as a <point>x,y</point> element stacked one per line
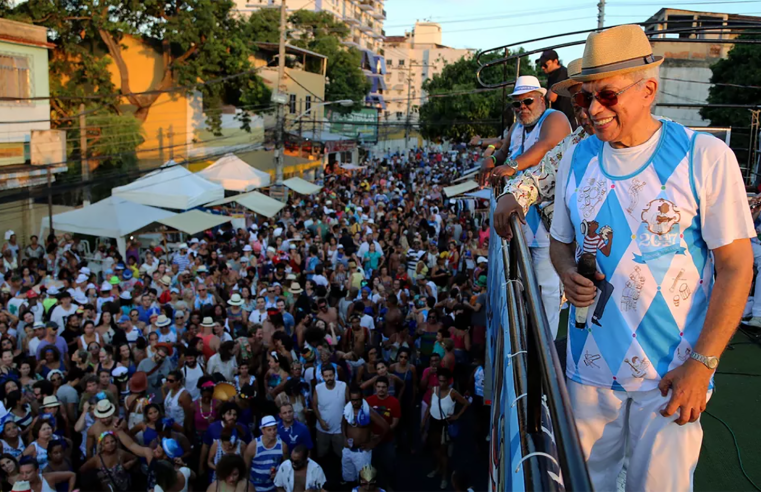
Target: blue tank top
<point>263,464</point>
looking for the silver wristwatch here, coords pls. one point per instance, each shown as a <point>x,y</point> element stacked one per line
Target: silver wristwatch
<point>708,361</point>
<point>512,164</point>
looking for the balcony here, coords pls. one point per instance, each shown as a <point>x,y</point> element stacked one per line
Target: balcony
<point>379,14</point>
<point>367,28</point>
<point>367,5</point>
<point>352,43</point>
<point>351,20</point>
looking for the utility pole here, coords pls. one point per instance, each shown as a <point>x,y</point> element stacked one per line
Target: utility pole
<point>409,105</point>
<point>600,15</point>
<point>50,200</point>
<point>279,99</point>
<point>83,153</point>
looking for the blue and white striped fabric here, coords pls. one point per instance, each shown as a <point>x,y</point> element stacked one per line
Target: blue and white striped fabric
<point>264,462</point>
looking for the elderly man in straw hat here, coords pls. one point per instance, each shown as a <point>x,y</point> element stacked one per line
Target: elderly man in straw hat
<point>536,186</point>
<point>536,131</point>
<point>655,204</point>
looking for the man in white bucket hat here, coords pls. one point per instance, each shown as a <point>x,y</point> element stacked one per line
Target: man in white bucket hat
<point>651,205</point>
<point>536,131</point>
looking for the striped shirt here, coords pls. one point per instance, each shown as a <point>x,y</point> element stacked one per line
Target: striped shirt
<point>263,464</point>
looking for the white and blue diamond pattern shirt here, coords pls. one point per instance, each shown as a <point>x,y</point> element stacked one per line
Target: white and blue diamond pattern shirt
<point>651,214</point>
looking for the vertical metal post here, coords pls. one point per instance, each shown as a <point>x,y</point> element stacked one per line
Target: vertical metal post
<point>280,109</point>
<point>83,153</point>
<point>601,14</point>
<point>161,145</point>
<point>504,98</point>
<point>170,137</point>
<point>50,200</point>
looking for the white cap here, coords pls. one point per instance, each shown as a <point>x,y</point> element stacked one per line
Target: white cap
<point>106,287</point>
<point>247,248</point>
<point>84,270</point>
<point>267,421</point>
<point>183,246</point>
<point>82,278</point>
<point>527,83</point>
<point>481,259</point>
<point>194,241</point>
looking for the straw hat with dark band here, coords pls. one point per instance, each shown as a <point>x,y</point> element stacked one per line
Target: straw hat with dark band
<point>616,51</point>
<point>562,87</point>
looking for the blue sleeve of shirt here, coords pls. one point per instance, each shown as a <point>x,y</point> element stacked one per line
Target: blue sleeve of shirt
<point>208,437</point>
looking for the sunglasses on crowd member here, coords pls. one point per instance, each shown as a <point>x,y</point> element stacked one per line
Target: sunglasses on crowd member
<point>606,97</point>
<point>526,102</point>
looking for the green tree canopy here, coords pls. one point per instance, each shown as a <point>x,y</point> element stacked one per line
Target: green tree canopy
<point>471,110</point>
<point>742,67</point>
<point>199,40</point>
<point>322,33</point>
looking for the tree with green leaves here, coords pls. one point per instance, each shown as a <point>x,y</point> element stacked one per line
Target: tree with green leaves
<point>470,109</point>
<point>731,78</point>
<point>322,33</point>
<point>200,42</point>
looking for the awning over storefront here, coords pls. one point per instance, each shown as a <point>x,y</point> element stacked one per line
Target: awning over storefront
<point>302,186</point>
<point>260,204</point>
<point>194,221</point>
<point>460,188</point>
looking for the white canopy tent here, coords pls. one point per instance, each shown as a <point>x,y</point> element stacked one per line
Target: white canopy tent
<point>194,221</point>
<point>461,188</point>
<point>113,217</point>
<point>302,186</point>
<point>261,204</point>
<point>171,186</point>
<point>234,174</point>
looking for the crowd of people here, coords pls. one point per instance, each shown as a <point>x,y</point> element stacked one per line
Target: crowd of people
<point>313,346</point>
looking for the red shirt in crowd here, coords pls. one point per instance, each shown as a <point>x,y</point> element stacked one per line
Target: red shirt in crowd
<point>389,409</point>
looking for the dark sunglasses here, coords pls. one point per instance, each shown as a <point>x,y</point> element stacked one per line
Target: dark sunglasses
<point>526,102</point>
<point>607,97</point>
<point>171,380</point>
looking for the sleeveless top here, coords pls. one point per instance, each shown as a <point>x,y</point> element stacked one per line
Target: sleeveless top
<point>15,452</point>
<point>644,230</point>
<point>172,407</point>
<point>207,350</point>
<point>42,455</point>
<point>97,340</point>
<point>191,377</point>
<point>265,461</point>
<point>520,141</point>
<point>447,405</point>
<point>203,420</point>
<point>221,452</point>
<point>405,376</point>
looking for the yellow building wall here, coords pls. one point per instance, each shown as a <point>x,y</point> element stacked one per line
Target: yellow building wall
<point>168,117</point>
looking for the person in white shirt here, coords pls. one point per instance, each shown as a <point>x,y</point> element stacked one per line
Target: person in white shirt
<point>63,310</point>
<point>258,315</point>
<point>328,403</point>
<point>300,472</point>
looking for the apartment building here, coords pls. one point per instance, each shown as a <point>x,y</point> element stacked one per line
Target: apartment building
<point>412,59</point>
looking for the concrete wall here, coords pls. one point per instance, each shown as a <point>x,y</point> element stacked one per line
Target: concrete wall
<point>675,89</point>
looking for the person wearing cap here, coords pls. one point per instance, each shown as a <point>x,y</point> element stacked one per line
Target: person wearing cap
<point>550,64</point>
<point>299,469</point>
<point>264,455</point>
<point>666,209</point>
<point>182,257</point>
<point>157,367</point>
<point>105,419</point>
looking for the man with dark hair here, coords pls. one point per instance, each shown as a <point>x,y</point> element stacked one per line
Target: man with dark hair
<point>385,452</point>
<point>291,431</point>
<point>359,439</point>
<point>556,72</point>
<point>328,403</point>
<point>229,412</point>
<point>29,471</point>
<point>299,473</point>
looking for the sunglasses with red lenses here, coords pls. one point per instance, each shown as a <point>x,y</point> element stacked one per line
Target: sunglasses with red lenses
<point>606,97</point>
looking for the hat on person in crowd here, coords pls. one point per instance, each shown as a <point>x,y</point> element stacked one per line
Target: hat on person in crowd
<point>53,291</point>
<point>292,246</point>
<point>21,486</point>
<point>296,288</point>
<point>224,392</point>
<point>8,234</point>
<point>340,246</point>
<point>166,280</point>
<point>85,270</point>
<point>183,246</point>
<point>267,421</point>
<point>548,55</point>
<point>81,279</point>
<point>125,295</point>
<point>124,318</point>
<point>481,259</point>
<point>202,269</point>
<point>138,382</point>
<point>166,346</point>
<point>247,392</point>
<point>114,280</point>
<point>481,282</point>
<point>527,83</point>
<point>562,88</point>
<point>171,447</point>
<point>235,300</point>
<point>207,322</point>
<point>290,276</point>
<point>195,240</point>
<point>307,353</point>
<point>31,294</point>
<point>52,373</point>
<point>270,249</point>
<point>119,266</point>
<point>127,274</point>
<point>247,248</point>
<point>106,287</point>
<point>368,473</point>
<point>616,51</point>
<point>104,409</point>
<point>120,374</point>
<point>37,326</point>
<point>174,290</point>
<point>163,321</point>
<point>244,259</point>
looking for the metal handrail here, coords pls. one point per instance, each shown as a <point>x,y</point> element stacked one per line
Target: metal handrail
<point>540,374</point>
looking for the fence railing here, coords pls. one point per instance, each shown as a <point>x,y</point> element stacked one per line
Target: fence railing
<point>535,444</point>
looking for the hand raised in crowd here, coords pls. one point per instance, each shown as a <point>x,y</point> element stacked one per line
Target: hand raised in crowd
<point>506,207</point>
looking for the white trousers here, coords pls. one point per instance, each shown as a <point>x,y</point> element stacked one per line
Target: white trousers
<point>756,312</point>
<point>352,463</point>
<point>617,424</point>
<point>549,283</point>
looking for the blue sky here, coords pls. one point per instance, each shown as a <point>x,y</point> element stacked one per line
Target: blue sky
<point>483,24</point>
